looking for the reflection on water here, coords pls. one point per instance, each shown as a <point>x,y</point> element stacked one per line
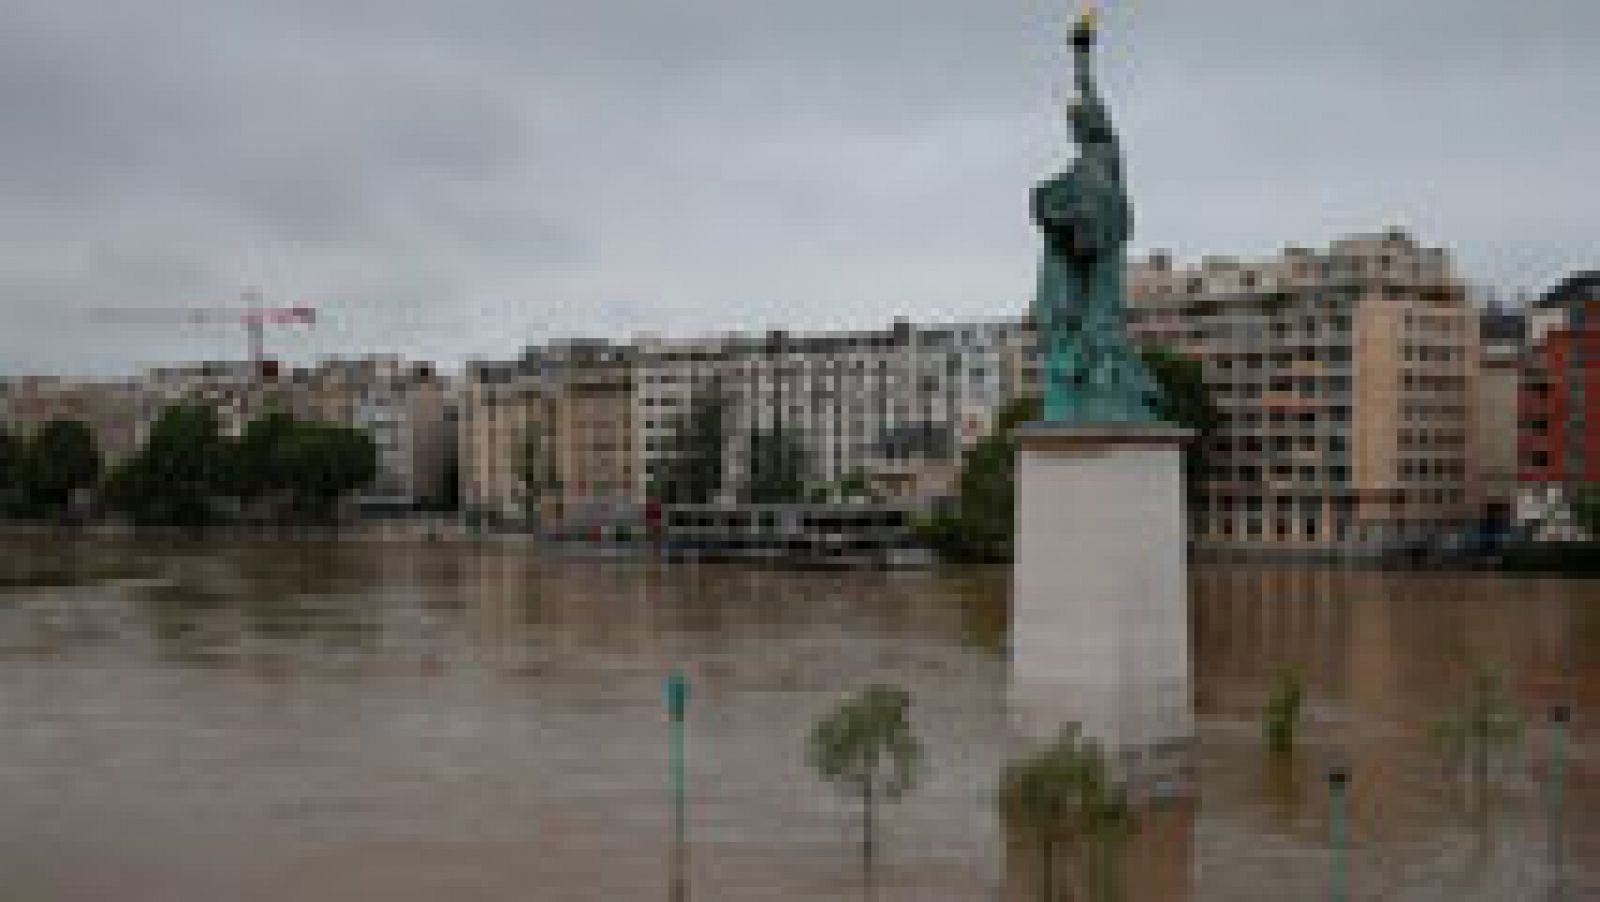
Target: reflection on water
<point>342,722</point>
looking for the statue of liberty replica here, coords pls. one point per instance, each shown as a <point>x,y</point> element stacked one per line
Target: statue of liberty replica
<point>1090,374</point>
<point>1100,609</point>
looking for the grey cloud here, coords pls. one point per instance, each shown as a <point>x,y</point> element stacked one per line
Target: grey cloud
<point>453,179</point>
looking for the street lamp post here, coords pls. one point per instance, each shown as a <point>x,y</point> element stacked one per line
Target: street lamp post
<point>1338,834</point>
<point>1559,716</point>
<point>677,697</point>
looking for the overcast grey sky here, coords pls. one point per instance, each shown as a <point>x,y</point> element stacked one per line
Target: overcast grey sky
<point>453,179</point>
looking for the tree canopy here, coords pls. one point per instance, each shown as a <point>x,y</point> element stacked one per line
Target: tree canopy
<point>1063,798</point>
<point>866,748</point>
<point>294,470</point>
<point>326,462</point>
<point>60,460</point>
<point>979,526</point>
<point>11,451</point>
<point>1586,510</point>
<point>176,478</point>
<point>691,466</point>
<point>777,466</point>
<point>1184,399</point>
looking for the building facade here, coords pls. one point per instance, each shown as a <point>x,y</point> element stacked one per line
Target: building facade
<point>506,427</point>
<point>1503,338</point>
<point>550,440</point>
<point>110,409</point>
<point>1345,377</point>
<point>896,407</point>
<point>1559,407</point>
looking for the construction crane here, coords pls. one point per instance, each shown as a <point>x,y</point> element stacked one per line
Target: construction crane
<point>253,315</point>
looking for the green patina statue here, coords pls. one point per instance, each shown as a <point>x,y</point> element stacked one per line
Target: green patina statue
<point>1091,373</point>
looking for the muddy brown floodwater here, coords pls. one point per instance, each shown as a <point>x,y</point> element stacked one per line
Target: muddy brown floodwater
<point>344,722</point>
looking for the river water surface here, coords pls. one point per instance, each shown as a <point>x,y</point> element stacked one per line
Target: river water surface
<point>344,722</point>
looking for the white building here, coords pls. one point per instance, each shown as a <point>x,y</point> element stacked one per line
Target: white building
<point>897,405</point>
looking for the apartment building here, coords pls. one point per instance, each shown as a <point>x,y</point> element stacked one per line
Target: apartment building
<point>235,391</point>
<point>1346,377</point>
<point>594,435</point>
<point>1559,406</point>
<point>108,408</point>
<point>897,405</point>
<point>1502,337</point>
<point>506,428</point>
<point>551,439</point>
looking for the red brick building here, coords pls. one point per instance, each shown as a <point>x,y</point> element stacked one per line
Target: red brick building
<point>1558,417</point>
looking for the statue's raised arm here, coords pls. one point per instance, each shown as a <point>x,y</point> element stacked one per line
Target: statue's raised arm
<point>1090,119</point>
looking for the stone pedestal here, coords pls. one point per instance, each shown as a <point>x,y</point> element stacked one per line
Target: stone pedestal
<point>1100,614</point>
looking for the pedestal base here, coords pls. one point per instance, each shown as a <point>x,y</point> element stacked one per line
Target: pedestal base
<point>1100,615</point>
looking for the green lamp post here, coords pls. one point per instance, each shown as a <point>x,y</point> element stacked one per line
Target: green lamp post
<point>677,698</point>
<point>1339,834</point>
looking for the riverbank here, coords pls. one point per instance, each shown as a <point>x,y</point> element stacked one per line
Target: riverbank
<point>1561,559</point>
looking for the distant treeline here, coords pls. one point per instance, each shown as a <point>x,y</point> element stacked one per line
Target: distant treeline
<point>187,474</point>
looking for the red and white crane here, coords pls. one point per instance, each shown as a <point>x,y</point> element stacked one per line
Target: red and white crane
<point>255,317</point>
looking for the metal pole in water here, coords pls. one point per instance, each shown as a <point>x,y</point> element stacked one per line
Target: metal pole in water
<point>677,696</point>
<point>1559,716</point>
<point>1338,835</point>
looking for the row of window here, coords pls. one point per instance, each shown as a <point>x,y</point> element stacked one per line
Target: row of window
<point>1335,445</point>
<point>1281,473</point>
<point>1304,386</point>
<point>1338,414</point>
<point>1411,381</point>
<point>1432,468</point>
<point>1446,438</point>
<point>1340,530</point>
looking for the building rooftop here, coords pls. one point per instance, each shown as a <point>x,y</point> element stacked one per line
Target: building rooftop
<point>1577,287</point>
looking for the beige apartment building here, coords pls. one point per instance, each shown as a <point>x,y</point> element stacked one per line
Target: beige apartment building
<point>594,435</point>
<point>1347,377</point>
<point>551,439</point>
<point>1502,339</point>
<point>505,426</point>
<point>111,409</point>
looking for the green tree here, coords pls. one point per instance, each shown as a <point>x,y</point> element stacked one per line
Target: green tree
<point>1280,720</point>
<point>326,462</point>
<point>1481,722</point>
<point>1063,801</point>
<point>178,475</point>
<point>60,460</point>
<point>1586,510</point>
<point>980,527</point>
<point>259,466</point>
<point>691,466</point>
<point>854,486</point>
<point>11,452</point>
<point>1185,401</point>
<point>867,749</point>
<point>299,470</point>
<point>778,467</point>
